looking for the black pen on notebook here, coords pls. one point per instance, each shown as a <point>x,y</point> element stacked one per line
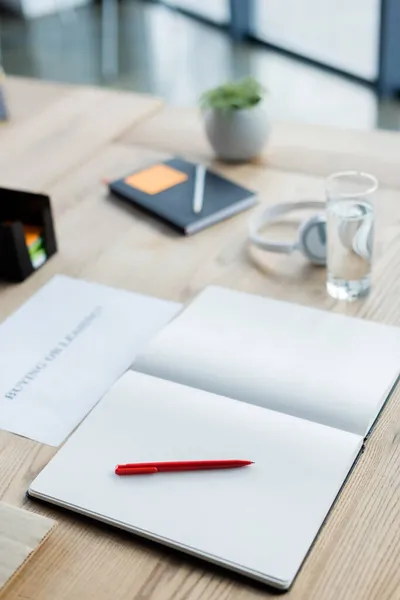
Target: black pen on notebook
<point>198,192</point>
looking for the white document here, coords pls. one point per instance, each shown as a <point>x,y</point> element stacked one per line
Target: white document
<point>309,363</point>
<point>258,520</point>
<point>64,349</point>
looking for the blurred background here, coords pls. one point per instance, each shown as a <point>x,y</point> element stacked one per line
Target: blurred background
<point>332,62</point>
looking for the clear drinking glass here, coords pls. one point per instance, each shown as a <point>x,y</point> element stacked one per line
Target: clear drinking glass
<point>350,224</point>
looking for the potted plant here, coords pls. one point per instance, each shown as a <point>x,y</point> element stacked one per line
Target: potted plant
<point>235,119</point>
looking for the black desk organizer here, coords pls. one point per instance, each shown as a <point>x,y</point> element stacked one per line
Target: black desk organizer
<point>17,208</point>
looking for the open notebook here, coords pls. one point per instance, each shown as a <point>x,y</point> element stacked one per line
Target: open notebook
<point>293,389</point>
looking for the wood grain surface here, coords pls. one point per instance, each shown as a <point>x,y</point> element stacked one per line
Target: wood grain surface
<point>21,534</point>
<point>28,97</point>
<point>357,554</point>
<point>311,149</point>
<point>66,131</point>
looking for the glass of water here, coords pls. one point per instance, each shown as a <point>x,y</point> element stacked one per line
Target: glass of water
<point>350,225</point>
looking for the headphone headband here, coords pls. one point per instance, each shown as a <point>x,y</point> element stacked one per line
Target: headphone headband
<point>273,214</point>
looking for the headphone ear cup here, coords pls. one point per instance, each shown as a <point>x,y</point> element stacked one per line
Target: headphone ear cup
<point>312,239</point>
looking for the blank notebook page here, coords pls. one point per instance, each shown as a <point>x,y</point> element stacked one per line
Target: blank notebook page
<point>309,363</point>
<point>259,520</point>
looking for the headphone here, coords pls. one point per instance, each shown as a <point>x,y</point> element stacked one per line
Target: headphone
<point>355,235</point>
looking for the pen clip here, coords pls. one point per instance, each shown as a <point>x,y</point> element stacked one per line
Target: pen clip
<point>119,470</point>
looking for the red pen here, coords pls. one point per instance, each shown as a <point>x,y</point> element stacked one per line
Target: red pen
<point>177,466</point>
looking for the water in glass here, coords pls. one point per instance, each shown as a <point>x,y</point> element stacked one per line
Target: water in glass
<point>349,235</point>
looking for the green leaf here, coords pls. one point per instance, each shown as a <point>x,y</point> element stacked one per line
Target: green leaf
<point>234,95</point>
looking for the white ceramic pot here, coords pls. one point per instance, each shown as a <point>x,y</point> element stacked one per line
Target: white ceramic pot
<point>237,135</point>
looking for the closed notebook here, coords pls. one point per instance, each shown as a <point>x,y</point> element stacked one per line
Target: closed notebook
<point>294,389</point>
<point>167,190</point>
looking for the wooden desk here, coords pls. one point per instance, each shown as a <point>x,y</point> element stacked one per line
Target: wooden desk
<point>357,555</point>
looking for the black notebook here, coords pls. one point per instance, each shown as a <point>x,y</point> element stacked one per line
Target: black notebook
<point>188,196</point>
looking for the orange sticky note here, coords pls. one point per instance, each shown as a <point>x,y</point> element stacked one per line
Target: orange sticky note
<point>32,234</point>
<point>156,179</point>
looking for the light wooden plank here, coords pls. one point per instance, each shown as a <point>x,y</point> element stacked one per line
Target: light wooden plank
<point>178,130</point>
<point>310,149</point>
<point>324,150</point>
<point>21,534</point>
<point>28,97</point>
<point>39,150</point>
